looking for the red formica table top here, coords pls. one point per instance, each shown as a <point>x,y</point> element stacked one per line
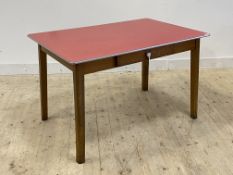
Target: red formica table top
<point>102,41</point>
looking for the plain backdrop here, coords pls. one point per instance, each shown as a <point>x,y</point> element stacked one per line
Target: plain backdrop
<point>18,18</point>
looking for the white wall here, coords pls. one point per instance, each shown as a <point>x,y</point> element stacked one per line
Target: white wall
<point>18,18</point>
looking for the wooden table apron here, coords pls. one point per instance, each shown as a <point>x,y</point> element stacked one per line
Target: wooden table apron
<point>80,69</point>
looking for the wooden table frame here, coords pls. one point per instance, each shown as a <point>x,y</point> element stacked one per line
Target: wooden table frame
<point>80,69</point>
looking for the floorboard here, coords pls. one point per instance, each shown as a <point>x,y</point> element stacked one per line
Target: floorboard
<point>128,131</point>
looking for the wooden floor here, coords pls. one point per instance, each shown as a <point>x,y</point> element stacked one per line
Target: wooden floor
<point>127,131</point>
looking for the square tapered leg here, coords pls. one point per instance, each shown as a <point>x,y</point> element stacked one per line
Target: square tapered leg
<point>79,104</point>
<point>43,83</point>
<point>145,73</point>
<point>195,56</point>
